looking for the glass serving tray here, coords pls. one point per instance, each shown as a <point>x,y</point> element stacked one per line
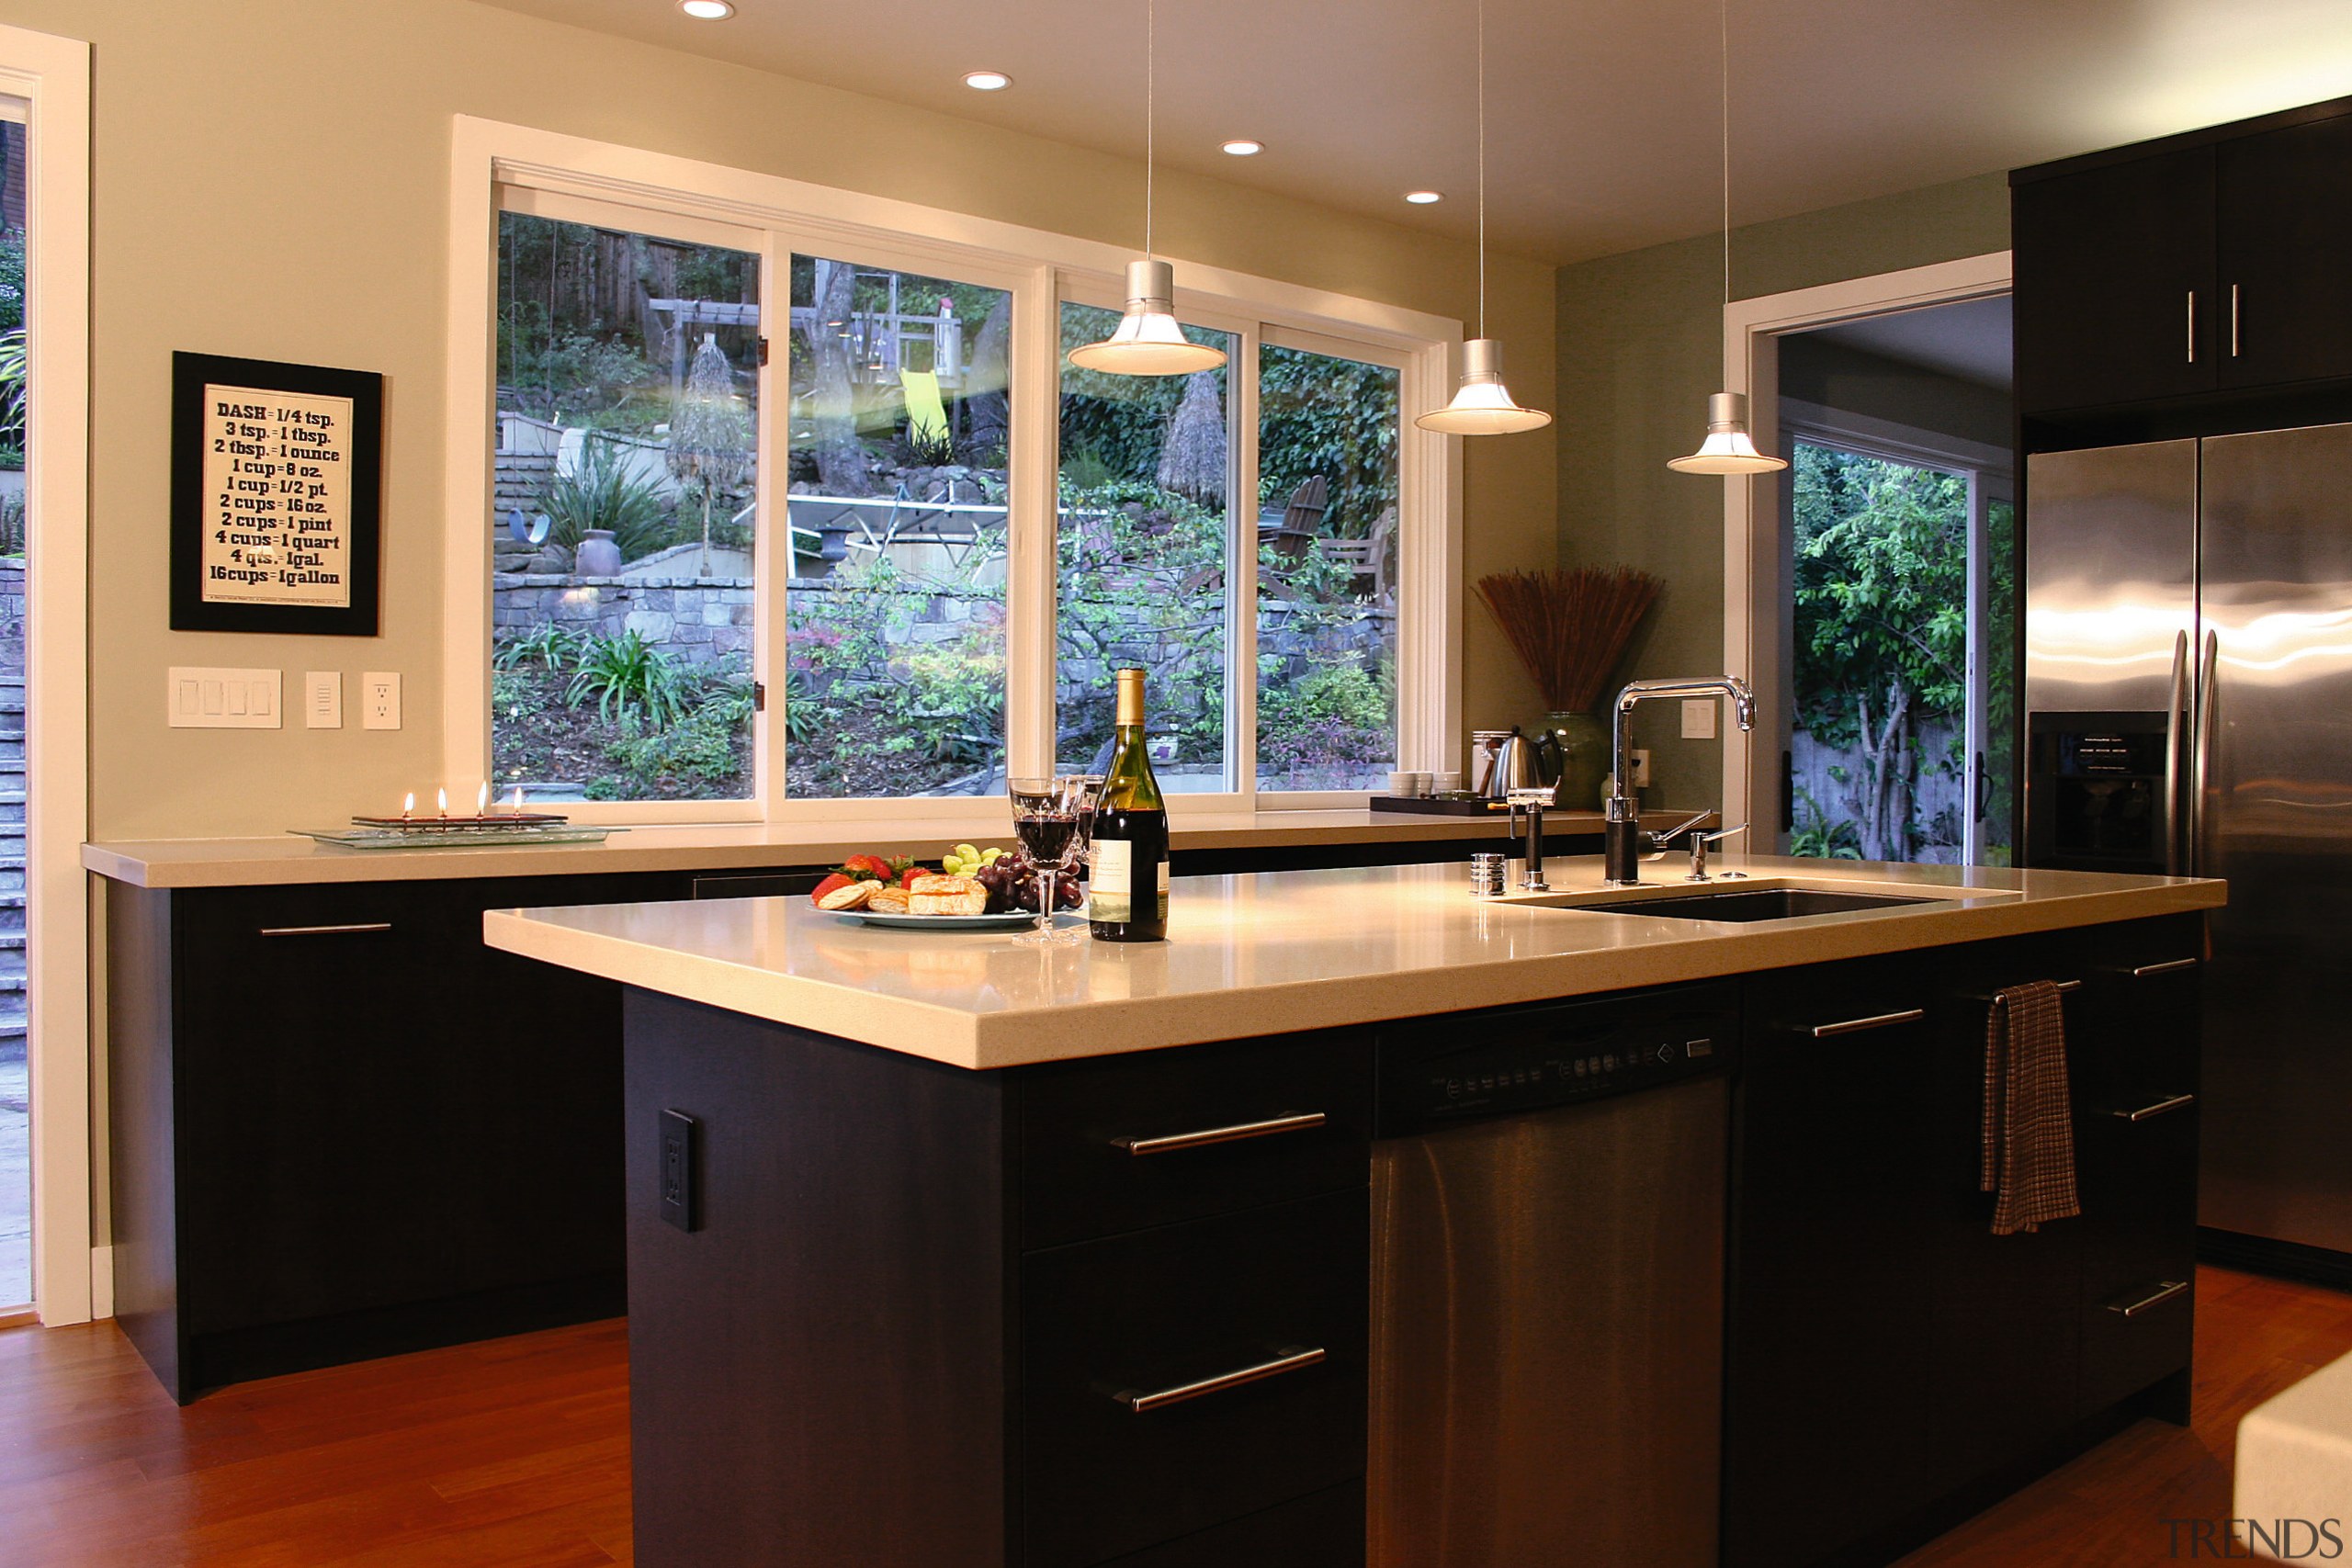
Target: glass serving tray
<point>435,836</point>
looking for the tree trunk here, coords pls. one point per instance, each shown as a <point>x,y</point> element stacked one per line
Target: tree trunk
<point>1886,795</point>
<point>985,404</point>
<point>840,456</point>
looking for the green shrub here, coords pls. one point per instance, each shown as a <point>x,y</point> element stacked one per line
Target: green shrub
<point>604,491</point>
<point>630,676</point>
<point>551,645</point>
<point>699,755</point>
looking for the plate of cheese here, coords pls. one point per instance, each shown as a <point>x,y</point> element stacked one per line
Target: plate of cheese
<point>923,903</point>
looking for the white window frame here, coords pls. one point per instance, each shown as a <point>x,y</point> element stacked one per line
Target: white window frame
<point>50,77</point>
<point>1044,268</point>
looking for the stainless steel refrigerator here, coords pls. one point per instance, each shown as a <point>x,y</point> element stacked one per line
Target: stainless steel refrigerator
<point>2188,700</point>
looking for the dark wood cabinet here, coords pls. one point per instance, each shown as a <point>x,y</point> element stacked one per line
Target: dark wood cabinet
<point>1892,1365</point>
<point>1830,1276</point>
<point>2285,226</point>
<point>2114,283</point>
<point>2187,273</point>
<point>343,1127</point>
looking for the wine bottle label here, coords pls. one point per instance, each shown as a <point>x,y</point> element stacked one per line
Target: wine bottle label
<point>1111,885</point>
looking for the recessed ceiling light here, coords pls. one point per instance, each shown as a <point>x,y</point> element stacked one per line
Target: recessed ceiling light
<point>987,81</point>
<point>1242,147</point>
<point>1424,197</point>
<point>706,10</point>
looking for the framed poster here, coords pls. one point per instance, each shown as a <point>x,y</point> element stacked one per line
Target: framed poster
<point>276,497</point>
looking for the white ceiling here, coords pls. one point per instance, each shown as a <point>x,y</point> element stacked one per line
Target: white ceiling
<point>1603,113</point>
<point>1969,341</point>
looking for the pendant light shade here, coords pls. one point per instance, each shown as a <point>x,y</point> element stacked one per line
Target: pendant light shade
<point>1728,448</point>
<point>1483,405</point>
<point>1148,341</point>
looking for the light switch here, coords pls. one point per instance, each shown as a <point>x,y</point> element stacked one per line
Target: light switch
<point>1699,719</point>
<point>323,699</point>
<point>222,699</point>
<point>380,698</point>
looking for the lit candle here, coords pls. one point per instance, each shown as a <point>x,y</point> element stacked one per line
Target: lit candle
<point>441,799</point>
<point>482,801</point>
<point>407,807</point>
<point>518,800</point>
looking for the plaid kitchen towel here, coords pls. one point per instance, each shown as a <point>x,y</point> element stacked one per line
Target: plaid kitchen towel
<point>2029,1120</point>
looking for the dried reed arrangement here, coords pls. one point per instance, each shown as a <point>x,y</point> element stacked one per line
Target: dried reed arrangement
<point>1570,627</point>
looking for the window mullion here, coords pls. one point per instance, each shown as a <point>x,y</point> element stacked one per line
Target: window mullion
<point>1030,585</point>
<point>1241,598</point>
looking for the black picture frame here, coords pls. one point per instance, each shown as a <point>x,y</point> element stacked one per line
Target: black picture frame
<point>191,373</point>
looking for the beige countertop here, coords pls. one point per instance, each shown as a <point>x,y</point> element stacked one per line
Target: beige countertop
<point>243,862</point>
<point>1278,951</point>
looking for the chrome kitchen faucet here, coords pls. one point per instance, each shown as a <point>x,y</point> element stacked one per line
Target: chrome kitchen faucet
<point>1622,835</point>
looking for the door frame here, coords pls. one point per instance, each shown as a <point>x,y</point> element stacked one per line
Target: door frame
<point>71,1281</point>
<point>1755,597</point>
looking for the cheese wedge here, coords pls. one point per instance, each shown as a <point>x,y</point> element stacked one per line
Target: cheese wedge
<point>947,896</point>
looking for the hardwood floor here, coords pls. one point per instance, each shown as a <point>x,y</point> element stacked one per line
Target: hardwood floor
<point>515,1452</point>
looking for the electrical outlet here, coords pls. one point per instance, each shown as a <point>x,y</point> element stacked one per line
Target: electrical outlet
<point>1641,769</point>
<point>1699,718</point>
<point>201,697</point>
<point>323,699</point>
<point>380,697</point>
<point>676,1164</point>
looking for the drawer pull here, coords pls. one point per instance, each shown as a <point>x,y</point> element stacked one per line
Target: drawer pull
<point>1876,1021</point>
<point>2158,1109</point>
<point>327,930</point>
<point>1290,1361</point>
<point>1174,1142</point>
<point>2173,966</point>
<point>2163,1292</point>
<point>1994,999</point>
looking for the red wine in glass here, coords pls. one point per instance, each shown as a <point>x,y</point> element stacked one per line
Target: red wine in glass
<point>1046,836</point>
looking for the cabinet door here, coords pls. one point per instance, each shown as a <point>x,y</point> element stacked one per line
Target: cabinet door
<point>1826,1390</point>
<point>2114,295</point>
<point>2285,230</point>
<point>2004,1361</point>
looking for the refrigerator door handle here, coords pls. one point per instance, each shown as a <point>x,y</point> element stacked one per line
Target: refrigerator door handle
<point>2176,804</point>
<point>2202,748</point>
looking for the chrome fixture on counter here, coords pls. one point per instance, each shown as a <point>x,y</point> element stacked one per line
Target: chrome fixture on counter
<point>1622,835</point>
<point>1532,801</point>
<point>1699,842</point>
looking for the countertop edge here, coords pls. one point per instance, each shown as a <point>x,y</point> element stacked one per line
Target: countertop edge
<point>1011,1038</point>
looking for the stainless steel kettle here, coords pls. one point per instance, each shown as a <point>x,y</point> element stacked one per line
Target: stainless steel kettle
<point>1519,764</point>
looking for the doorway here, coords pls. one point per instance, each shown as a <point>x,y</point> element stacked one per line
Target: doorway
<point>1870,589</point>
<point>1899,529</point>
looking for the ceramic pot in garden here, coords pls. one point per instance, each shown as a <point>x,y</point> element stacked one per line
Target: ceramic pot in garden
<point>1579,749</point>
<point>599,557</point>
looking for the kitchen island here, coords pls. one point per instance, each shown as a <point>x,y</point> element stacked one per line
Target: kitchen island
<point>943,1251</point>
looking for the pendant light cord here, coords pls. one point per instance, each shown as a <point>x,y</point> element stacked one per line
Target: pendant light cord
<point>1482,168</point>
<point>1150,56</point>
<point>1725,15</point>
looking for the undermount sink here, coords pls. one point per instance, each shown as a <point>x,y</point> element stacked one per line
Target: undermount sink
<point>1745,905</point>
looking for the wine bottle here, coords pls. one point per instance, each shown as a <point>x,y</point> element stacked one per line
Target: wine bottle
<point>1127,898</point>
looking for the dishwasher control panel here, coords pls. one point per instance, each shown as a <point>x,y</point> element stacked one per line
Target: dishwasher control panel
<point>1529,1058</point>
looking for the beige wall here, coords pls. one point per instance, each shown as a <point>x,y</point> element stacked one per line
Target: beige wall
<point>1641,346</point>
<point>271,180</point>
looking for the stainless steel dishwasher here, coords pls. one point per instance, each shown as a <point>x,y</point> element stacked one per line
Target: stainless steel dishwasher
<point>1548,1190</point>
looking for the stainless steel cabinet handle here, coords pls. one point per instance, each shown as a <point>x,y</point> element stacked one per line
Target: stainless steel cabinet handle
<point>2165,1293</point>
<point>2233,321</point>
<point>1994,998</point>
<point>2175,808</point>
<point>1876,1021</point>
<point>1174,1142</point>
<point>2170,966</point>
<point>2201,748</point>
<point>327,930</point>
<point>2158,1109</point>
<point>2192,326</point>
<point>1290,1361</point>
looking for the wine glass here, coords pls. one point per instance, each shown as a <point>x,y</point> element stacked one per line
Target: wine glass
<point>1046,813</point>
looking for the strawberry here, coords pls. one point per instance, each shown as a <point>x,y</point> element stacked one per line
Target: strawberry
<point>872,868</point>
<point>907,877</point>
<point>829,884</point>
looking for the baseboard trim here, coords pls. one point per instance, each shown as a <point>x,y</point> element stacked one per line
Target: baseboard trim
<point>2281,1259</point>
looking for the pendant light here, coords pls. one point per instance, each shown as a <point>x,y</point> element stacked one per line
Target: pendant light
<point>1728,448</point>
<point>1482,405</point>
<point>1147,341</point>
